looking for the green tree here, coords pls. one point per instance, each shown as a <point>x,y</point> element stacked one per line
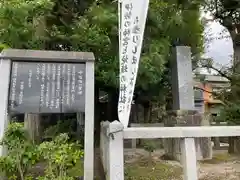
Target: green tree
<point>167,25</point>
<point>22,26</point>
<point>227,12</point>
<point>21,21</point>
<point>92,26</point>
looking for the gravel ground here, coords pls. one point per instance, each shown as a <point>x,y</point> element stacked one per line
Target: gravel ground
<point>227,169</point>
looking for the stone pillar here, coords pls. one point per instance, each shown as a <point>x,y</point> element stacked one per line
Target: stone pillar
<point>216,140</point>
<point>237,145</point>
<point>184,113</point>
<point>187,118</point>
<point>112,150</point>
<point>182,79</point>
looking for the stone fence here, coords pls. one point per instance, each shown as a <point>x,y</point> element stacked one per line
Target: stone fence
<point>216,140</point>
<point>113,135</point>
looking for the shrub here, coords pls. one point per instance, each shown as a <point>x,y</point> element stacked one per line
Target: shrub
<point>59,154</point>
<point>22,154</point>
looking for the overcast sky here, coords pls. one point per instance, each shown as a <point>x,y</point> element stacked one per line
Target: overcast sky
<point>220,47</point>
<point>221,50</point>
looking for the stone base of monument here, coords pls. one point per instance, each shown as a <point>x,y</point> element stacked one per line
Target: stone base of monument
<point>187,118</point>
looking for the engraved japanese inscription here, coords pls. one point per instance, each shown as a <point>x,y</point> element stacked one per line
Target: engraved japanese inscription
<point>47,88</point>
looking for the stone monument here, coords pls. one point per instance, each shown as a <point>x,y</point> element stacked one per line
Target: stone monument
<point>184,113</point>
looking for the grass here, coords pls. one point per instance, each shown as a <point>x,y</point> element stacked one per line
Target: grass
<point>77,170</point>
<point>143,170</point>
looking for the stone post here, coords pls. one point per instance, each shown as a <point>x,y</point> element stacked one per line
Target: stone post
<point>104,145</point>
<point>187,118</point>
<point>183,113</point>
<point>216,140</point>
<point>112,153</point>
<point>5,71</point>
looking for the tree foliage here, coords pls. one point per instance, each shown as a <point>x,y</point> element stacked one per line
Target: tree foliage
<point>60,156</point>
<point>227,12</point>
<point>92,26</point>
<point>22,153</point>
<point>230,96</point>
<point>21,21</point>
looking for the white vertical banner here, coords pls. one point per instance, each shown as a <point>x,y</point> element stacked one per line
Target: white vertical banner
<point>133,20</point>
<point>125,27</point>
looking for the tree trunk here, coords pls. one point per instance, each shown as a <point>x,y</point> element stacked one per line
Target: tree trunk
<point>150,113</point>
<point>231,145</point>
<point>80,126</point>
<point>134,113</point>
<point>137,113</point>
<point>236,50</point>
<point>147,112</point>
<point>112,106</point>
<point>97,116</point>
<point>236,63</point>
<point>32,123</point>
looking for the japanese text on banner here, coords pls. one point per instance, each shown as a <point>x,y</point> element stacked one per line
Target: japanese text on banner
<point>125,49</point>
<point>137,13</point>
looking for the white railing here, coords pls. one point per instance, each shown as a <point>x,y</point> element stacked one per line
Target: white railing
<point>134,141</point>
<point>113,134</point>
